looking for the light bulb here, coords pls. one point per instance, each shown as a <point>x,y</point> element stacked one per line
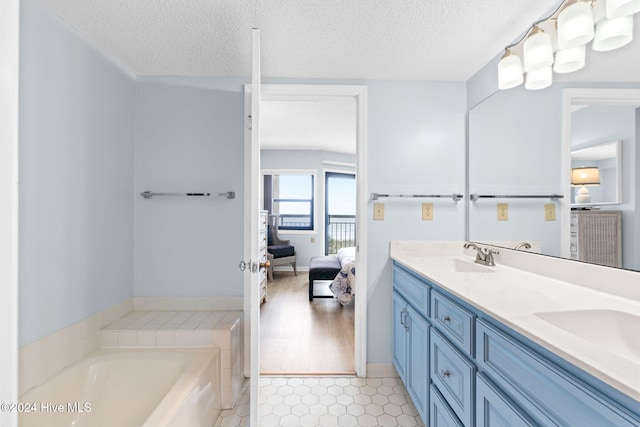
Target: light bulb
<point>575,25</point>
<point>539,79</point>
<point>538,51</point>
<point>509,71</point>
<point>613,33</point>
<point>619,8</point>
<point>569,60</point>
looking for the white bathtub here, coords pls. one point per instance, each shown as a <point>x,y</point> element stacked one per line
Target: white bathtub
<point>129,388</point>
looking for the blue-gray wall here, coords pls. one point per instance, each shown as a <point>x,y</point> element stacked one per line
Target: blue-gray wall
<point>76,177</point>
<point>189,138</point>
<point>415,144</point>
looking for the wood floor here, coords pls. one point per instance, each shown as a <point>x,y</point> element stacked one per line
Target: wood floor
<point>299,337</point>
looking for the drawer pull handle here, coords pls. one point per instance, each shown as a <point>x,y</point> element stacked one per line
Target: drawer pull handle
<point>446,319</point>
<point>445,373</point>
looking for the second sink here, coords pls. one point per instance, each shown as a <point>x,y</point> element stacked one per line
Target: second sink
<point>612,329</point>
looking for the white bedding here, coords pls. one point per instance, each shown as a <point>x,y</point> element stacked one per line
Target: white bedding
<point>343,285</point>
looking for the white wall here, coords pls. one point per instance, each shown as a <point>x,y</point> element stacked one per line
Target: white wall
<point>599,124</point>
<point>76,177</point>
<point>189,138</point>
<point>9,72</point>
<point>311,160</point>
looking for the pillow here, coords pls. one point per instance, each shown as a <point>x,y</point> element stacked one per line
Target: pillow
<point>346,255</point>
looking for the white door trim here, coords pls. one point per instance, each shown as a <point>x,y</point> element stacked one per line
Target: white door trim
<point>272,92</point>
<point>9,99</point>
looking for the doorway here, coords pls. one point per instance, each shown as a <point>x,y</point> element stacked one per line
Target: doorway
<point>305,94</point>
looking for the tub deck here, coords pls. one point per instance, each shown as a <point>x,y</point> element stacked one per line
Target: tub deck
<point>166,328</point>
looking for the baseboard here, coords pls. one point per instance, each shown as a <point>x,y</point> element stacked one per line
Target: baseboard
<point>381,370</point>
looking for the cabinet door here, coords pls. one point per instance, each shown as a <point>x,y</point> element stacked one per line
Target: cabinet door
<point>418,371</point>
<point>400,336</point>
<point>493,409</point>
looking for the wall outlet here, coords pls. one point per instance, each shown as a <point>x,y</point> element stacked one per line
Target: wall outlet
<point>503,212</point>
<point>550,212</point>
<point>427,211</point>
<point>312,239</point>
<point>378,211</point>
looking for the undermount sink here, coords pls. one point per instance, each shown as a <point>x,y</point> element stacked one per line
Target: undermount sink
<point>463,266</point>
<point>614,330</point>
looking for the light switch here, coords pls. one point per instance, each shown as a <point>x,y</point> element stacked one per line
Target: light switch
<point>427,211</point>
<point>378,211</point>
<point>503,212</point>
<point>550,212</point>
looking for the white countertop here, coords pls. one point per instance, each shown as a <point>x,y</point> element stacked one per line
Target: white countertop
<point>516,297</point>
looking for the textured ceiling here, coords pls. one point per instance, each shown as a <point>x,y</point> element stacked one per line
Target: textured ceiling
<point>346,39</point>
<point>435,40</point>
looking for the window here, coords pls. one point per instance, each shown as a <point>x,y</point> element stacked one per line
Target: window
<point>340,211</point>
<point>290,195</point>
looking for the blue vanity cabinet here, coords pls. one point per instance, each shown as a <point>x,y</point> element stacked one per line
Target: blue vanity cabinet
<point>440,414</point>
<point>453,370</point>
<point>411,337</point>
<point>494,409</point>
<point>400,336</point>
<point>411,352</point>
<point>544,389</point>
<point>463,368</point>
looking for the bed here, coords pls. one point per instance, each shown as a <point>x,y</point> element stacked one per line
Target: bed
<point>343,285</point>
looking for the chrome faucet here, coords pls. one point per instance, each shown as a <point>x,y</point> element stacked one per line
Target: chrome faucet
<point>483,256</point>
<point>523,245</point>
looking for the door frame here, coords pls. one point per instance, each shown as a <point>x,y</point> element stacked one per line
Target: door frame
<point>9,107</point>
<point>357,93</point>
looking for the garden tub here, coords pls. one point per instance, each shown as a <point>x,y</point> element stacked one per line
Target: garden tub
<point>129,388</point>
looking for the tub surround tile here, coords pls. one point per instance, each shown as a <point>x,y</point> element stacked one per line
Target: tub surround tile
<point>155,322</point>
<point>41,360</point>
<point>188,303</point>
<point>190,328</point>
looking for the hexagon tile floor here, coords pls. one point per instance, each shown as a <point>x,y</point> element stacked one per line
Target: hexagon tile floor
<point>325,402</point>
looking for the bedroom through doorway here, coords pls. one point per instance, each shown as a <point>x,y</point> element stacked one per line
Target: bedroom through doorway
<point>308,157</point>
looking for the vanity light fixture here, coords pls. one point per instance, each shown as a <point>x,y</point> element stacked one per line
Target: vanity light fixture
<point>558,43</point>
<point>584,176</point>
<point>538,51</point>
<point>619,8</point>
<point>509,70</point>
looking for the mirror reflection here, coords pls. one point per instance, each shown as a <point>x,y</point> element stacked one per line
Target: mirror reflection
<point>595,170</point>
<point>516,147</point>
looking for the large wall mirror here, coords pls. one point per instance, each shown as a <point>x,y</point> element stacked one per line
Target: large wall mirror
<point>523,146</point>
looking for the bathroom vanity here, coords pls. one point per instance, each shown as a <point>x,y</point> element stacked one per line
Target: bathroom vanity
<point>532,341</point>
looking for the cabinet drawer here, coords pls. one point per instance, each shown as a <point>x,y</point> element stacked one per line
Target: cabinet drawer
<point>440,414</point>
<point>454,376</point>
<point>262,239</point>
<point>493,409</point>
<point>413,289</point>
<point>547,392</point>
<point>262,223</point>
<point>453,321</point>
